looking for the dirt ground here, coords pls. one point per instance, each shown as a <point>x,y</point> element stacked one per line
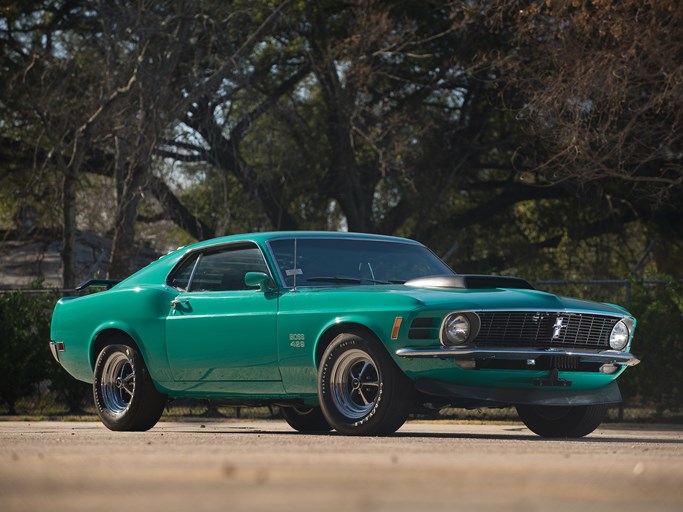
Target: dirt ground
<point>264,465</point>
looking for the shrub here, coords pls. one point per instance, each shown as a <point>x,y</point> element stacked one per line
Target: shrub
<point>24,350</point>
<point>658,379</point>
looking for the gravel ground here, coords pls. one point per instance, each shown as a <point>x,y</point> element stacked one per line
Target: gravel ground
<point>264,465</point>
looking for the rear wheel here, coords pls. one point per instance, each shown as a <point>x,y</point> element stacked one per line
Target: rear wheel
<point>360,388</point>
<point>125,397</point>
<point>306,419</point>
<point>562,421</point>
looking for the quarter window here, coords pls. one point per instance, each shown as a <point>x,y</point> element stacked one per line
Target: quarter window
<point>225,269</point>
<point>181,277</point>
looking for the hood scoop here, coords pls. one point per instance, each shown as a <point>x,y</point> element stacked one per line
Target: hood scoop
<point>470,282</point>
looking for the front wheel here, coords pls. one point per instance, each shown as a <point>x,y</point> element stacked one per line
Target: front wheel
<point>125,397</point>
<point>562,421</point>
<point>360,388</point>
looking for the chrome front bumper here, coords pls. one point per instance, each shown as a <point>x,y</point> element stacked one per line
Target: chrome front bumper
<point>471,353</point>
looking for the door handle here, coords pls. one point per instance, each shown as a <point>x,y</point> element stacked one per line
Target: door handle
<point>179,302</point>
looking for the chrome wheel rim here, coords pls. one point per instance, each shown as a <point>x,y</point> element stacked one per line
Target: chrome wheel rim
<point>117,383</point>
<point>356,384</point>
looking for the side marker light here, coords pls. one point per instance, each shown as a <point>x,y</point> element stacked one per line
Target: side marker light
<point>397,326</point>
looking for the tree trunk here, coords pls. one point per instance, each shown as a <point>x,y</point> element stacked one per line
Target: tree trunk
<point>177,212</point>
<point>351,183</point>
<point>69,226</point>
<point>128,176</point>
<point>123,245</point>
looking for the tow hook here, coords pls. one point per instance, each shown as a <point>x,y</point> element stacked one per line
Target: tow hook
<point>553,380</point>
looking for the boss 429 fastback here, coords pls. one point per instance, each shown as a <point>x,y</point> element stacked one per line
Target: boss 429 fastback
<point>344,331</point>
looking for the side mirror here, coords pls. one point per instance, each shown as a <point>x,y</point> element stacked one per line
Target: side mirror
<point>260,279</point>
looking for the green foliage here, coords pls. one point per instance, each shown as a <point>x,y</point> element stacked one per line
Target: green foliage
<point>219,200</point>
<point>25,358</point>
<point>658,379</point>
<point>24,352</point>
<point>67,391</point>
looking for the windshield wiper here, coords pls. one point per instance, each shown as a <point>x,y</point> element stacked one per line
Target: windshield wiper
<point>346,280</point>
<point>332,279</point>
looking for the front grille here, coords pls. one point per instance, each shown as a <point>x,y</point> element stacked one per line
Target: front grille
<point>544,329</point>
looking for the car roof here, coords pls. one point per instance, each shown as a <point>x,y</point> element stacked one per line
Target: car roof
<point>157,271</point>
<point>262,237</point>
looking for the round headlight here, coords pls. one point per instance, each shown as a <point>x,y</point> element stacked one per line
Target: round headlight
<point>618,339</point>
<point>457,329</point>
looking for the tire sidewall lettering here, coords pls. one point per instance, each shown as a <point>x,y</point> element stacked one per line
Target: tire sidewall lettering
<point>332,355</point>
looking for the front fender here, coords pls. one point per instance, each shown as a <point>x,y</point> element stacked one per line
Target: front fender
<point>380,327</point>
<point>301,344</point>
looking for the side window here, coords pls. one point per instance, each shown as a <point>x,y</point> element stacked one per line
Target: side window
<point>181,277</point>
<point>225,269</point>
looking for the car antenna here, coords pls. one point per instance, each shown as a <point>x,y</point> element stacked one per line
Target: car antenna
<point>294,288</point>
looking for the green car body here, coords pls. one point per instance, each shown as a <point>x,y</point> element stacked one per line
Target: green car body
<point>262,338</point>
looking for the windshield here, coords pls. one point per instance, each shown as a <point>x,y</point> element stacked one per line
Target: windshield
<point>345,261</point>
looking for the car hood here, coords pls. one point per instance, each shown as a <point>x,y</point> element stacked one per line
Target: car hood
<point>466,299</point>
<point>504,298</point>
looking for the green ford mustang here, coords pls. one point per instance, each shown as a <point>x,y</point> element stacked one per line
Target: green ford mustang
<point>344,331</point>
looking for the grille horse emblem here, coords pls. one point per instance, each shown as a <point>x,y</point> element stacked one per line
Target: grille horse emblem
<point>557,327</point>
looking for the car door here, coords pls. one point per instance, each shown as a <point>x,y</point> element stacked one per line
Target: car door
<point>218,329</point>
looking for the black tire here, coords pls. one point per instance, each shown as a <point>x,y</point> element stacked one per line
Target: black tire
<point>360,388</point>
<point>306,419</point>
<point>562,421</point>
<point>125,397</point>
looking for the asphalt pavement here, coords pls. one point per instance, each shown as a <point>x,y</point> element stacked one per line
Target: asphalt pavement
<point>235,465</point>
